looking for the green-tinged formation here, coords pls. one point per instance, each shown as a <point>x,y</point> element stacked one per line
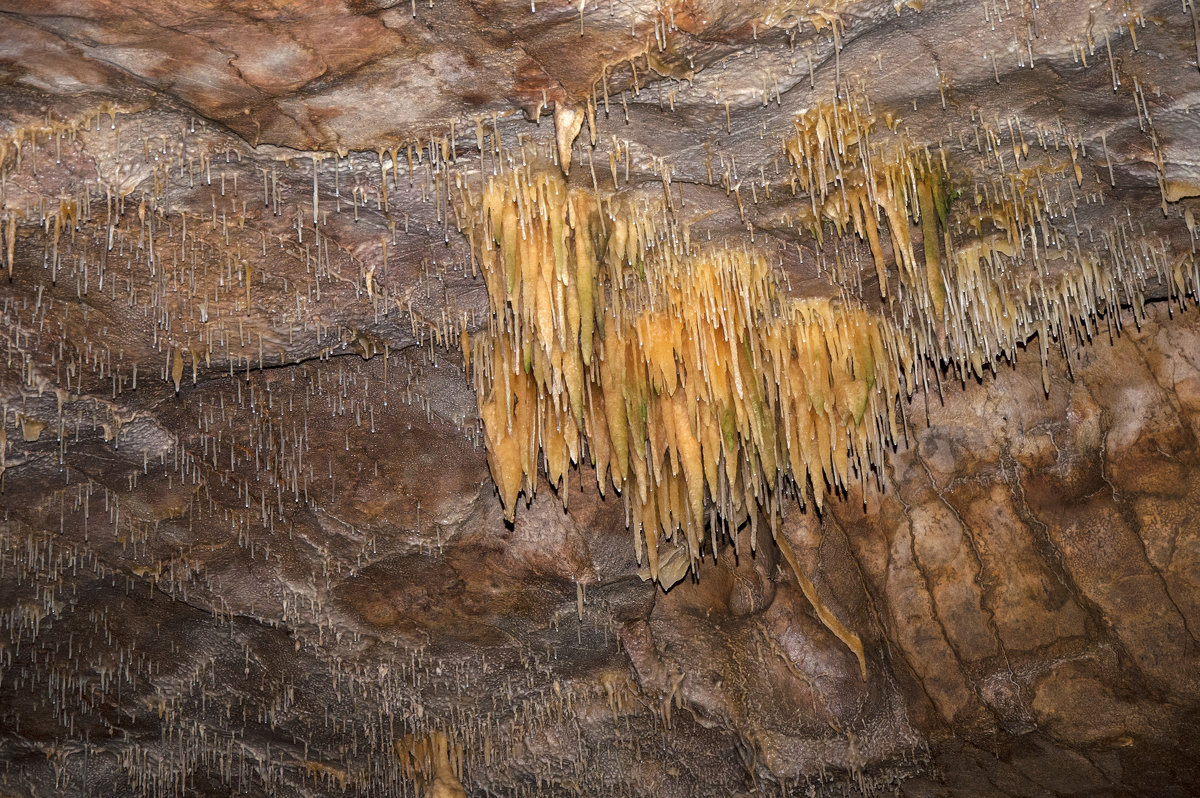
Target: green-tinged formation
<point>999,265</point>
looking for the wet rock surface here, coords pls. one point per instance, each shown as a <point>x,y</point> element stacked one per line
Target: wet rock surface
<point>249,539</point>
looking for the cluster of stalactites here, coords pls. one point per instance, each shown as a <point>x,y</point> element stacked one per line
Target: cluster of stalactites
<point>682,376</point>
<point>968,300</point>
<point>433,762</point>
<point>850,181</point>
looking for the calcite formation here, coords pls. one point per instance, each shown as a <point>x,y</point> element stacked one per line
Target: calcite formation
<point>715,397</point>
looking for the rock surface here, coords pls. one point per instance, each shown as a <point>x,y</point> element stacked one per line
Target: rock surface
<point>249,540</point>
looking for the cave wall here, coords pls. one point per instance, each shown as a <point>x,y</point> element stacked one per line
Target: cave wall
<point>249,538</point>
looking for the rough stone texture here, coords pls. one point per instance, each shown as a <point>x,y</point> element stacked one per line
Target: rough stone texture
<point>249,543</point>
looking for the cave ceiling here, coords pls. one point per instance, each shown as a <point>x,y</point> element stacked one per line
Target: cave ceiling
<point>713,397</point>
